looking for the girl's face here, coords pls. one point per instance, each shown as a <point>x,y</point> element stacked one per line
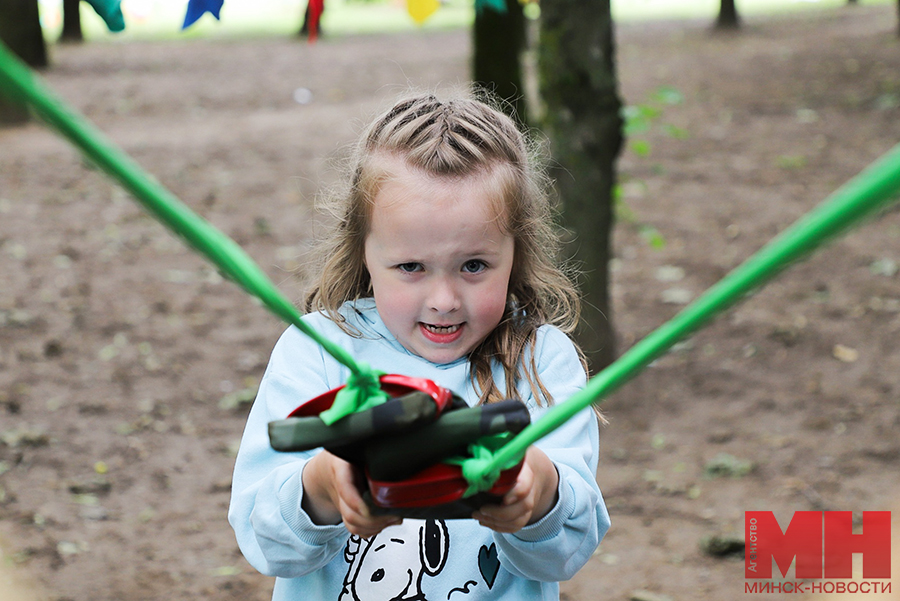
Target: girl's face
<point>439,262</point>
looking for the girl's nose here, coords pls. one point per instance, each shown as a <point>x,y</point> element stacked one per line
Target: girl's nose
<point>443,297</point>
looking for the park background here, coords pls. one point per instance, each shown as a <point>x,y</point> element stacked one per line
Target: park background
<point>127,364</point>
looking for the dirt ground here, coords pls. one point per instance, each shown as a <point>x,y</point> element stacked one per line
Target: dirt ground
<point>126,363</point>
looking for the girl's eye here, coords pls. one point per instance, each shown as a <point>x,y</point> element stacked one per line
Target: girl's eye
<point>409,267</point>
<point>474,266</point>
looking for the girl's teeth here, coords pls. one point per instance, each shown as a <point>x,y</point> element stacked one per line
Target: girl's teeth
<point>442,329</point>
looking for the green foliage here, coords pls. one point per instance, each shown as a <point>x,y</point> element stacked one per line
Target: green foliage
<point>624,213</point>
<point>640,121</point>
<point>242,398</point>
<point>667,95</point>
<point>673,131</point>
<point>652,236</point>
<point>639,118</point>
<point>645,118</point>
<point>641,148</point>
<point>797,161</point>
<point>724,465</point>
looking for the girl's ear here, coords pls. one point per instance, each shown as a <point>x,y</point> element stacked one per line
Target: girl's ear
<point>369,290</point>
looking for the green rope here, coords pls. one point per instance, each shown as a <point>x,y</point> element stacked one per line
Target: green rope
<point>872,190</point>
<point>19,83</point>
<point>477,469</point>
<point>362,391</point>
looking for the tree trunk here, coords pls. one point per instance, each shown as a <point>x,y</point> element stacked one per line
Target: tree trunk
<point>580,91</point>
<point>498,40</point>
<point>20,29</point>
<point>71,31</point>
<point>304,24</point>
<point>728,16</point>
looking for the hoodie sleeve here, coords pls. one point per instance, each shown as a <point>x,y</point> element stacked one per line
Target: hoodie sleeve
<point>275,535</point>
<point>558,545</point>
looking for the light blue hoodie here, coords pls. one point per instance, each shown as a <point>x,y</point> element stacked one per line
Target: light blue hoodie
<point>431,559</point>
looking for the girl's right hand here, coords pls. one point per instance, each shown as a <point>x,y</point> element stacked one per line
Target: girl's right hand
<point>331,495</point>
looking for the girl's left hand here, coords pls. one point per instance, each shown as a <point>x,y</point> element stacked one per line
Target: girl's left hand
<point>533,496</point>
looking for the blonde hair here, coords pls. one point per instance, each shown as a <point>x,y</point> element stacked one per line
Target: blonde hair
<point>460,137</point>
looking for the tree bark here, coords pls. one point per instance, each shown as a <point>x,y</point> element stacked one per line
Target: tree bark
<point>728,16</point>
<point>304,24</point>
<point>71,31</point>
<point>20,29</point>
<point>576,61</point>
<point>498,40</point>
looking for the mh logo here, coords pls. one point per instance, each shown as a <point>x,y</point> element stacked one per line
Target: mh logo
<point>822,542</point>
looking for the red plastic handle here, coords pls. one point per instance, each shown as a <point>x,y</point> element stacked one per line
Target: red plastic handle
<point>436,485</point>
<point>394,384</point>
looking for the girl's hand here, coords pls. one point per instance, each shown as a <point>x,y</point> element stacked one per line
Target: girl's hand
<point>331,495</point>
<point>533,496</point>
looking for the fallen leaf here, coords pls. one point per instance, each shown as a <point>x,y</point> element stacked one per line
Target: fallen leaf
<point>238,398</point>
<point>885,267</point>
<point>676,296</point>
<point>722,546</point>
<point>725,465</point>
<point>24,437</point>
<point>609,559</point>
<point>669,273</point>
<point>642,595</point>
<point>70,548</point>
<point>845,353</point>
<point>108,352</point>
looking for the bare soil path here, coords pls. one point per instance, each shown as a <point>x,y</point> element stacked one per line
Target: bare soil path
<point>126,363</point>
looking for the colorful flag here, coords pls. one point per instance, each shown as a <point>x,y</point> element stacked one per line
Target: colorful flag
<point>495,5</point>
<point>316,7</point>
<point>196,8</point>
<point>420,10</point>
<point>111,13</point>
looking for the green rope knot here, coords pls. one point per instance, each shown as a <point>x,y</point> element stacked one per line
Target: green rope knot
<point>362,391</point>
<point>477,469</point>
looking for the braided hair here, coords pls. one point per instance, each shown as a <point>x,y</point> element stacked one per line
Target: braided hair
<point>461,137</point>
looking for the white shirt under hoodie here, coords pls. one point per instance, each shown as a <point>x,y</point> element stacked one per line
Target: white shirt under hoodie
<point>446,560</point>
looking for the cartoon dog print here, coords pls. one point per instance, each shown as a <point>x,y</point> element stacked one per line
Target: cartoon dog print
<point>391,565</point>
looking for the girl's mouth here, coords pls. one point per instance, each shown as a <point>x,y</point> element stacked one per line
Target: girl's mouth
<point>441,334</point>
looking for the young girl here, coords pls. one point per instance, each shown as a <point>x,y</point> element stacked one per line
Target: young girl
<point>441,267</point>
